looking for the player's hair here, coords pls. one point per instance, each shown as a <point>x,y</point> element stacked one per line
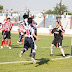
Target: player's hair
<point>30,20</point>
<point>25,16</point>
<point>8,18</point>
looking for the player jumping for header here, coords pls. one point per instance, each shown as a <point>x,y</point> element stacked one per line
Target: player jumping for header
<point>29,40</point>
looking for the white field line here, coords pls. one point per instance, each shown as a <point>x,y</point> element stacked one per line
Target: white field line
<point>49,47</point>
<point>36,60</point>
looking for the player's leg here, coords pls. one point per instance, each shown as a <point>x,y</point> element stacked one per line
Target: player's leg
<point>3,38</point>
<point>2,43</point>
<point>52,46</point>
<point>9,43</point>
<point>60,46</point>
<point>35,31</point>
<point>31,43</point>
<point>9,39</point>
<point>26,46</point>
<point>62,51</point>
<point>20,38</point>
<point>35,47</point>
<point>6,42</point>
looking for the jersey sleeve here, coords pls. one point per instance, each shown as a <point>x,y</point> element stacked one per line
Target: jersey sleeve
<point>52,31</point>
<point>32,30</point>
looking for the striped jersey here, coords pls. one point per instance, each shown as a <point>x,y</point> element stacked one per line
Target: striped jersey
<point>20,27</point>
<point>8,26</point>
<point>28,31</point>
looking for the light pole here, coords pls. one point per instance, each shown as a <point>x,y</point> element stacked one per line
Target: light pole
<point>44,18</point>
<point>60,6</point>
<point>60,9</point>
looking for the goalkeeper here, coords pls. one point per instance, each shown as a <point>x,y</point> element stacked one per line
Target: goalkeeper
<point>57,38</point>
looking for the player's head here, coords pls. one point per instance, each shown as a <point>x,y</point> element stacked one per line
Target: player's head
<point>32,16</point>
<point>25,16</point>
<point>57,24</point>
<point>30,20</point>
<point>8,19</point>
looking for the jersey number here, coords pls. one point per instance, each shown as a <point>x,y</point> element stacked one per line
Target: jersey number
<point>27,32</point>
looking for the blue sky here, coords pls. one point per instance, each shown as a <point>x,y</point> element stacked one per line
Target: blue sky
<point>33,5</point>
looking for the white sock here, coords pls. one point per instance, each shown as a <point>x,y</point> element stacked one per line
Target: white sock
<point>62,51</point>
<point>51,50</point>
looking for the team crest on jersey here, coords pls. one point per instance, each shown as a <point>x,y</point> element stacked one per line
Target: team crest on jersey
<point>56,32</point>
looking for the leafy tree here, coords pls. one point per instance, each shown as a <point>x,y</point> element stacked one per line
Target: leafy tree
<point>57,9</point>
<point>1,8</point>
<point>49,12</point>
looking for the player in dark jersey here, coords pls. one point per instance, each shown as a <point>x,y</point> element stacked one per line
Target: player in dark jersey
<point>57,39</point>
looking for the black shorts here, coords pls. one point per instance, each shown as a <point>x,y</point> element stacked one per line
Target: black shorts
<point>28,43</point>
<point>57,41</point>
<point>7,35</point>
<point>3,32</point>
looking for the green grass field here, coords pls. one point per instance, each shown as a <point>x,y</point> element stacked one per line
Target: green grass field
<point>43,54</point>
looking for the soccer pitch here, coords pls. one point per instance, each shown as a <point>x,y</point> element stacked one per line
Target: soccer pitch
<point>44,63</point>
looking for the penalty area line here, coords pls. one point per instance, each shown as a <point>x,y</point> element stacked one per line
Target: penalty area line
<point>36,60</point>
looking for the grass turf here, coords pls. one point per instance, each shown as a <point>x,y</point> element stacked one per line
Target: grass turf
<point>43,52</point>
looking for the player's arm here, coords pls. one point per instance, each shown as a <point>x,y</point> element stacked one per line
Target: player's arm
<point>14,22</point>
<point>36,37</point>
<point>38,26</point>
<point>51,31</point>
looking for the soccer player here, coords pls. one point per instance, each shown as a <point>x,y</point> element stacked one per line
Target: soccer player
<point>57,39</point>
<point>7,35</point>
<point>21,34</point>
<point>34,26</point>
<point>3,31</point>
<point>29,40</point>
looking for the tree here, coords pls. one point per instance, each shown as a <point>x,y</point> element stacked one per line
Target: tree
<point>57,9</point>
<point>1,8</point>
<point>49,12</point>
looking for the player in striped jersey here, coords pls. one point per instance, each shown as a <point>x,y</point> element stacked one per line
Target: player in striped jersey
<point>3,31</point>
<point>34,26</point>
<point>29,40</point>
<point>21,34</point>
<point>7,28</point>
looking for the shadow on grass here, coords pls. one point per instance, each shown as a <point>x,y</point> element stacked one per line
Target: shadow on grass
<point>66,46</point>
<point>16,46</point>
<point>42,61</point>
<point>61,55</point>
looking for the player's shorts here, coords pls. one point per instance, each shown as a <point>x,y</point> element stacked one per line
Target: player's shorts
<point>35,31</point>
<point>28,43</point>
<point>7,34</point>
<point>3,32</point>
<point>57,41</point>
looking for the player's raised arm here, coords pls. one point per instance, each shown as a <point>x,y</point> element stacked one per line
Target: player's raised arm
<point>14,22</point>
